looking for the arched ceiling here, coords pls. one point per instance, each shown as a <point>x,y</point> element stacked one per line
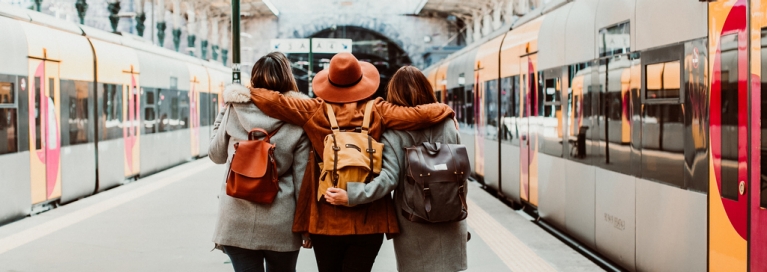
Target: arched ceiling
<point>463,9</point>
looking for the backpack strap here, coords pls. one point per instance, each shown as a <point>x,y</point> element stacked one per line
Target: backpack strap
<point>366,119</point>
<point>332,117</point>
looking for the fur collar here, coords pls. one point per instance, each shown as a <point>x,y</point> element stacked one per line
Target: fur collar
<point>236,93</point>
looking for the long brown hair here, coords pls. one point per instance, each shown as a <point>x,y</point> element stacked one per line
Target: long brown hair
<point>409,87</point>
<point>273,72</point>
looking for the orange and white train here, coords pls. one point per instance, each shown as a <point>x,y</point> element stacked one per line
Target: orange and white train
<point>634,126</point>
<point>83,110</point>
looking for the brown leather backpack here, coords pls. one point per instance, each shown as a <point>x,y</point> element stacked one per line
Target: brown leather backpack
<point>253,172</point>
<point>435,190</point>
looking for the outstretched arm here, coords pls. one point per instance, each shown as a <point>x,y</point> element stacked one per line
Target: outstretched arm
<point>293,110</point>
<point>415,118</point>
<point>384,183</point>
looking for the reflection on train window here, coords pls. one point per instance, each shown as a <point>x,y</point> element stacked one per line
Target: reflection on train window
<point>614,40</point>
<point>183,108</point>
<point>8,131</point>
<point>7,94</point>
<point>490,114</point>
<point>663,144</point>
<point>79,122</point>
<point>468,105</point>
<point>578,109</point>
<point>163,122</point>
<point>729,118</point>
<point>509,87</point>
<point>550,125</point>
<point>663,80</point>
<point>614,125</point>
<point>150,118</point>
<point>38,114</point>
<point>112,110</point>
<point>205,105</point>
<point>763,115</point>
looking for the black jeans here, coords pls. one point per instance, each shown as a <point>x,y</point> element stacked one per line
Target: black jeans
<point>349,253</point>
<point>246,260</point>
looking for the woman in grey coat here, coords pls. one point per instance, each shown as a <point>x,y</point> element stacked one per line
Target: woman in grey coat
<point>248,232</point>
<point>419,247</point>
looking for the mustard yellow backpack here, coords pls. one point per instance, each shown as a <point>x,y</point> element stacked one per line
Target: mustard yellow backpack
<point>349,156</point>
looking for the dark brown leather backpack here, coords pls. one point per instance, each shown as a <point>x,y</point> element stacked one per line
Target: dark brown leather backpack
<point>253,172</point>
<point>435,190</point>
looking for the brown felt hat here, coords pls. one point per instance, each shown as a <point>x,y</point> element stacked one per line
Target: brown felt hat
<point>346,80</point>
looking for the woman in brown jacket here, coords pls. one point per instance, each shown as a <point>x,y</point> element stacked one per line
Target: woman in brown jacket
<point>344,238</point>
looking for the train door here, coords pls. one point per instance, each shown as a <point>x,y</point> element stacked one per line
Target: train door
<point>528,180</point>
<point>131,122</point>
<point>758,132</point>
<point>44,141</point>
<point>728,202</point>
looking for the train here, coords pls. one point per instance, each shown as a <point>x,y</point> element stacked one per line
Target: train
<point>84,110</point>
<point>635,127</point>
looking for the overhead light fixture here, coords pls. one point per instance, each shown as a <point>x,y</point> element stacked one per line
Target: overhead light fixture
<point>418,8</point>
<point>271,7</point>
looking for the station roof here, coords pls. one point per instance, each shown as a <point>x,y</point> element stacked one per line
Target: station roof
<point>265,8</point>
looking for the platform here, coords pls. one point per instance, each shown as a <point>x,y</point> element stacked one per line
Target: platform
<point>165,222</point>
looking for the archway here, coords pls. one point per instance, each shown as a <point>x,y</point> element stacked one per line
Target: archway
<point>368,45</point>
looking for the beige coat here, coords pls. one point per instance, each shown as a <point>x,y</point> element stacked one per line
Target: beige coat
<point>242,223</point>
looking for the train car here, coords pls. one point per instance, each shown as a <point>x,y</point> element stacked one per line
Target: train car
<point>631,126</point>
<point>84,110</point>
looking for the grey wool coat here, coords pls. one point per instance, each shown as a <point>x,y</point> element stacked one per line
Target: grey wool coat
<point>242,223</point>
<point>419,247</point>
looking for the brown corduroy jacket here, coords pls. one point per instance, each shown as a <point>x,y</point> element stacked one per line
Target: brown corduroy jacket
<point>321,217</point>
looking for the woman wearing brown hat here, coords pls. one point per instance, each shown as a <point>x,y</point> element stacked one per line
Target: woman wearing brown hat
<point>419,247</point>
<point>345,238</point>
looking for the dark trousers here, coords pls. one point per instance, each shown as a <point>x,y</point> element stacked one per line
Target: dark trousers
<point>246,260</point>
<point>349,253</point>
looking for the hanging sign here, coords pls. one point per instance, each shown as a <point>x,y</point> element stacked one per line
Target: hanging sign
<point>322,45</point>
<point>319,45</point>
<point>290,45</point>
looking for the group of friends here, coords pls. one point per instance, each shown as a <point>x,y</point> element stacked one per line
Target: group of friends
<point>345,227</point>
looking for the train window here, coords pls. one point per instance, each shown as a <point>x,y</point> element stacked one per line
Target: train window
<point>729,115</point>
<point>490,114</point>
<point>38,114</point>
<point>204,109</point>
<point>508,103</point>
<point>8,131</point>
<point>550,125</point>
<point>579,109</point>
<point>7,94</point>
<point>150,122</point>
<point>77,93</point>
<point>614,125</point>
<point>51,90</point>
<point>183,108</point>
<point>614,40</point>
<point>162,111</point>
<point>469,105</point>
<point>663,80</point>
<point>763,145</point>
<point>112,110</point>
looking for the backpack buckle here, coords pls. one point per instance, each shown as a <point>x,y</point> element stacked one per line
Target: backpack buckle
<point>370,150</point>
<point>336,148</point>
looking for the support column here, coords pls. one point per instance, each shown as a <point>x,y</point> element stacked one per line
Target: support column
<point>114,9</point>
<point>81,7</point>
<point>140,17</point>
<point>191,29</point>
<point>38,3</point>
<point>235,42</point>
<point>176,24</point>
